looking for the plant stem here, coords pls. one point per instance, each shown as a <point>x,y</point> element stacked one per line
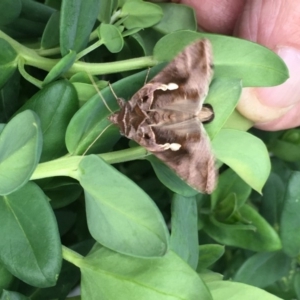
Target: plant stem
<point>67,166</point>
<point>27,76</point>
<point>125,155</point>
<point>89,49</point>
<point>33,59</point>
<point>71,256</point>
<point>112,67</point>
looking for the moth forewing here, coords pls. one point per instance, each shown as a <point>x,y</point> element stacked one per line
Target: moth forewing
<point>165,116</point>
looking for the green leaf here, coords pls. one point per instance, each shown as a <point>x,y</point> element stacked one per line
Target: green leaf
<point>120,215</point>
<point>223,96</point>
<point>9,97</point>
<point>9,11</point>
<point>126,277</point>
<point>150,37</point>
<point>245,154</point>
<point>233,58</point>
<point>86,91</point>
<point>62,191</point>
<point>84,87</point>
<point>8,295</point>
<point>60,68</point>
<point>131,32</point>
<point>229,182</point>
<point>169,178</point>
<point>77,20</point>
<point>297,284</point>
<point>111,37</point>
<point>227,209</point>
<point>263,269</point>
<point>6,278</point>
<point>264,238</point>
<point>184,237</point>
<point>20,150</point>
<point>106,9</point>
<point>287,147</point>
<point>55,113</point>
<point>34,253</point>
<point>208,275</point>
<point>209,254</point>
<point>140,14</point>
<point>23,28</point>
<point>50,36</point>
<point>171,14</point>
<point>229,290</point>
<point>35,11</point>
<point>69,276</point>
<point>271,204</point>
<point>290,217</point>
<point>8,61</point>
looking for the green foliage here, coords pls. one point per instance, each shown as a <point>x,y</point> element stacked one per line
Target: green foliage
<point>114,221</point>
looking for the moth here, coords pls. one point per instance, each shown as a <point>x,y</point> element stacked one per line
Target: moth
<point>166,116</point>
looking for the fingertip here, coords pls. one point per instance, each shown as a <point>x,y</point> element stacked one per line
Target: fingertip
<point>216,16</point>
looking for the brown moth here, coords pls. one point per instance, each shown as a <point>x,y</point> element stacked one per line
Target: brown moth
<point>165,116</point>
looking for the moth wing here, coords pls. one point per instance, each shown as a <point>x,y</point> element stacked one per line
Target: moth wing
<point>191,70</point>
<point>194,162</point>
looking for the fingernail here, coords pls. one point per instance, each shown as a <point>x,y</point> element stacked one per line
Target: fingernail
<point>287,93</point>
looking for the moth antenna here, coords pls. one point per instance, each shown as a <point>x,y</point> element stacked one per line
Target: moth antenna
<point>112,90</point>
<point>96,139</point>
<point>147,76</point>
<point>99,93</point>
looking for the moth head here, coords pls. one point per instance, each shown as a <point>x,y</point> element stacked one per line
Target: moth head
<point>113,118</point>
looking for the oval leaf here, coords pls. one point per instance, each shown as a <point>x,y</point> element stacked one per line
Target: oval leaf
<point>223,96</point>
<point>140,14</point>
<point>55,114</point>
<point>169,178</point>
<point>172,12</point>
<point>264,269</point>
<point>9,11</point>
<point>8,295</point>
<point>184,237</point>
<point>290,217</point>
<point>20,149</point>
<point>125,277</point>
<point>260,237</point>
<point>229,182</point>
<point>120,215</point>
<point>245,154</point>
<point>34,253</point>
<point>61,67</point>
<point>111,37</point>
<point>229,290</point>
<point>75,26</point>
<point>209,254</point>
<point>50,36</point>
<point>8,62</point>
<point>233,57</point>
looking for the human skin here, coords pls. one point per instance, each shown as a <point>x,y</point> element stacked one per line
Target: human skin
<point>276,25</point>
